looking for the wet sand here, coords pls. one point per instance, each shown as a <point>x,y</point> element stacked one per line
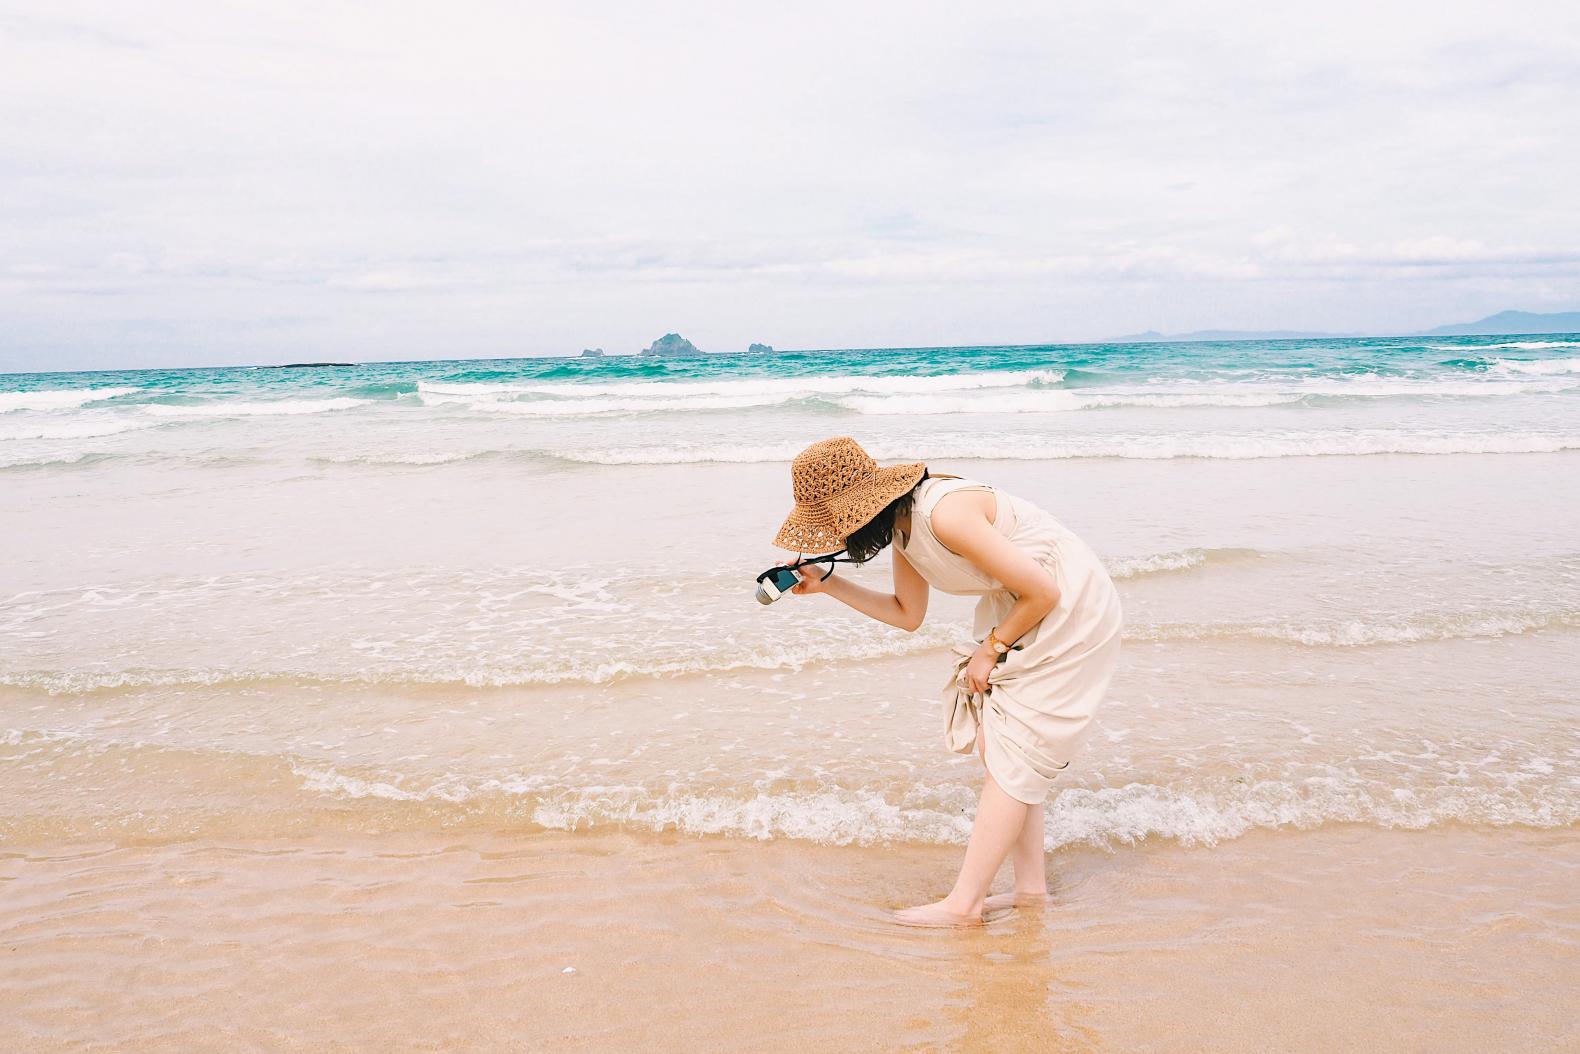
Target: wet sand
<point>1346,938</point>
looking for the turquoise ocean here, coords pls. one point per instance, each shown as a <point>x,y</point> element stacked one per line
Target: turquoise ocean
<point>1203,400</point>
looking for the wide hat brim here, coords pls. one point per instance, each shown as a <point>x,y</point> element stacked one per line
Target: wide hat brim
<point>816,529</point>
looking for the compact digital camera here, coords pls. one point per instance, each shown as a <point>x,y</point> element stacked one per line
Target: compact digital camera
<point>781,578</point>
<point>775,583</point>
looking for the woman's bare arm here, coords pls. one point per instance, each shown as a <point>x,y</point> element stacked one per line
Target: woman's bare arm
<point>963,522</point>
<point>906,607</point>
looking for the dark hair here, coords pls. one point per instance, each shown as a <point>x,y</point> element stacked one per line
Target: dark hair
<point>868,540</point>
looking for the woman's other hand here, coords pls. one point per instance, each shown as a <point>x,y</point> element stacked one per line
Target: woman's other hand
<point>813,578</point>
<point>978,668</point>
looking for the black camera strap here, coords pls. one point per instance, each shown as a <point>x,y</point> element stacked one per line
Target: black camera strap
<point>830,559</point>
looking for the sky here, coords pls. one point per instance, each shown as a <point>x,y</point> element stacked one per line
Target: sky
<point>214,183</point>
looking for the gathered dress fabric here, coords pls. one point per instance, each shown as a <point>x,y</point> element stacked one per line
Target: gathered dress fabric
<point>1043,696</point>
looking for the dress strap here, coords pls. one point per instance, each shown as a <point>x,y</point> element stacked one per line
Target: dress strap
<point>931,495</point>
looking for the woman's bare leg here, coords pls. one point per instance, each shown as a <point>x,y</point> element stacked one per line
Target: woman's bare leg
<point>1031,874</point>
<point>999,822</point>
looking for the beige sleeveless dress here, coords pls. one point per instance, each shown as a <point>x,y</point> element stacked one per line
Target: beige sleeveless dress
<point>1043,695</point>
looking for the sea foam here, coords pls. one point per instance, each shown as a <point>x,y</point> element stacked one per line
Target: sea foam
<point>253,409</point>
<point>83,426</point>
<point>59,398</point>
<point>1160,446</point>
<point>1539,367</point>
<point>489,661</point>
<point>777,387</point>
<point>1208,812</point>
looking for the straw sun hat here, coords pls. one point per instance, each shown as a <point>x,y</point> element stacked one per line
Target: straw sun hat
<point>838,487</point>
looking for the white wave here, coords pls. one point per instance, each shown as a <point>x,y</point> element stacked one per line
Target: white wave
<point>1271,392</point>
<point>1366,387</point>
<point>591,667</point>
<point>1209,812</point>
<point>1220,398</point>
<point>778,387</point>
<point>592,407</point>
<point>448,789</point>
<point>396,458</point>
<point>1369,630</point>
<point>948,394</point>
<point>1538,367</point>
<point>1157,563</point>
<point>998,402</point>
<point>254,409</point>
<point>76,427</point>
<point>1521,345</point>
<point>982,401</point>
<point>1034,402</point>
<point>446,666</point>
<point>41,460</point>
<point>1165,446</point>
<point>58,398</point>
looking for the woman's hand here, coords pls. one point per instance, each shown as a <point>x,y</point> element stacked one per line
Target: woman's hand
<point>813,578</point>
<point>978,668</point>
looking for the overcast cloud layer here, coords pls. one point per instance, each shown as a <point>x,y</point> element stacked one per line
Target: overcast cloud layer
<point>205,183</point>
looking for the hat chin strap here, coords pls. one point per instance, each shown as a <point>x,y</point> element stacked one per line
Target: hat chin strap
<point>831,558</point>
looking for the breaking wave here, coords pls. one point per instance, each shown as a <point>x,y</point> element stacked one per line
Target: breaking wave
<point>58,398</point>
<point>246,792</point>
<point>1156,446</point>
<point>495,667</point>
<point>1179,560</point>
<point>253,409</point>
<point>1371,630</point>
<point>1212,811</point>
<point>775,387</point>
<point>1537,367</point>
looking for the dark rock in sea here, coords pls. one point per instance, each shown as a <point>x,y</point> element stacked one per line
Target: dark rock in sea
<point>592,353</point>
<point>672,344</point>
<point>306,365</point>
<point>762,349</point>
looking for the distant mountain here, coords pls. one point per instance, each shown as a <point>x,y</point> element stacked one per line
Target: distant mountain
<point>1152,336</point>
<point>592,353</point>
<point>672,344</point>
<point>1505,322</point>
<point>759,349</point>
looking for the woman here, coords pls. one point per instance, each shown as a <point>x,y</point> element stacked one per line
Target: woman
<point>1048,621</point>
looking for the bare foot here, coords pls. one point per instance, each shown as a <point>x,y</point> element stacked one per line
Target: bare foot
<point>1015,899</point>
<point>935,915</point>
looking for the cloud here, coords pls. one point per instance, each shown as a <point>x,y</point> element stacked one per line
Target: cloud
<point>504,178</point>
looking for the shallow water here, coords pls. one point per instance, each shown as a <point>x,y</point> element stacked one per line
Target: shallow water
<point>1299,658</point>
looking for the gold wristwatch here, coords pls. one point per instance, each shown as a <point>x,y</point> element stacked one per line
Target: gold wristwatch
<point>998,646</point>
